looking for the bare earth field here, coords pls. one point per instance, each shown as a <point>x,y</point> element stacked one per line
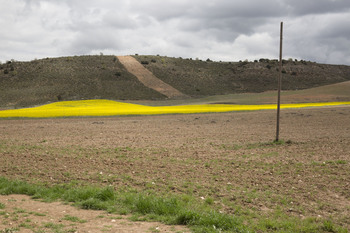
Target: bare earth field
<point>226,158</point>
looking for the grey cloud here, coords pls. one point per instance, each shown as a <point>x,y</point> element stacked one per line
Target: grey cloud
<point>336,27</point>
<point>219,29</point>
<point>244,9</point>
<point>304,7</point>
<point>94,40</point>
<point>120,20</point>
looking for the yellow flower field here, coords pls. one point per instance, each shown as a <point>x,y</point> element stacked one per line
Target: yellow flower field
<point>113,108</point>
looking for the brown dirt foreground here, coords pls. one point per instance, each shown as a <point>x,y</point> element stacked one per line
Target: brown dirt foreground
<point>224,159</point>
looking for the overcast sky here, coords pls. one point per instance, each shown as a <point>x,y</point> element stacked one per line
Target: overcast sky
<point>227,30</point>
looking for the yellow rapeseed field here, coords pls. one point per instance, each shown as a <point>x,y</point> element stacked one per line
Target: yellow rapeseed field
<point>113,108</point>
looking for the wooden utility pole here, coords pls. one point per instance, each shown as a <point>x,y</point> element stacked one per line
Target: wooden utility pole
<point>279,86</point>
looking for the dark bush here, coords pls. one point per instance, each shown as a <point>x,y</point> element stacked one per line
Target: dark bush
<point>153,61</point>
<point>6,71</point>
<point>264,60</point>
<point>269,67</point>
<point>144,62</point>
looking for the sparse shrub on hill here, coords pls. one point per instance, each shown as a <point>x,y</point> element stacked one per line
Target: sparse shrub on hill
<point>82,77</point>
<point>144,62</point>
<point>73,78</point>
<point>220,78</point>
<point>243,63</point>
<point>264,60</point>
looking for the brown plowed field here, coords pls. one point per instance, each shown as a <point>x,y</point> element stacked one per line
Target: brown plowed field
<point>226,157</point>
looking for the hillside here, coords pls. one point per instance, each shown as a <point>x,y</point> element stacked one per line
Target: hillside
<point>104,77</point>
<point>69,78</point>
<point>206,78</point>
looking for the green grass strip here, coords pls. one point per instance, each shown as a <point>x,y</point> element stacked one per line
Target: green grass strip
<point>170,210</point>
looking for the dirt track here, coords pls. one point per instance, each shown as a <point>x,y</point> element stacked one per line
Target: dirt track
<point>148,79</point>
<point>224,156</point>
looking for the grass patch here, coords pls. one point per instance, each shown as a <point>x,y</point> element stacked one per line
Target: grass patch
<point>10,230</point>
<point>170,210</point>
<point>53,226</point>
<point>73,219</point>
<point>268,144</point>
<point>200,216</point>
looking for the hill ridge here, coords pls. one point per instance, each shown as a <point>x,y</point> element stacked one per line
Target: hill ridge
<point>48,80</point>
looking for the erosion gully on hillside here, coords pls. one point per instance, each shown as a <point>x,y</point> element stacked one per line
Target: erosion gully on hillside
<point>225,157</point>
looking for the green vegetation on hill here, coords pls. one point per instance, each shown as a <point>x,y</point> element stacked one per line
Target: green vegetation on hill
<point>68,78</point>
<point>207,78</point>
<point>47,80</point>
